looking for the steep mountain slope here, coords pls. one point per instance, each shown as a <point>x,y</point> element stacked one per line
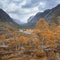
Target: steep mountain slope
<point>51,15</point>
<point>39,15</point>
<point>5,18</point>
<point>54,15</point>
<point>6,23</point>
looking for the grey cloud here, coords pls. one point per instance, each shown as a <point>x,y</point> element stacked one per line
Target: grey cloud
<point>17,1</point>
<point>32,3</point>
<point>49,4</point>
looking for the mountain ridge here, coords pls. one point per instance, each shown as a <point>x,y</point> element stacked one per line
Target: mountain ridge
<point>4,17</point>
<point>51,15</point>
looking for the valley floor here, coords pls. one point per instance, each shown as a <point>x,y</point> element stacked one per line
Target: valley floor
<point>40,43</point>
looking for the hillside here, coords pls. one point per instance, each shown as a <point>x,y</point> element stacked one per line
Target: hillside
<point>6,19</point>
<point>51,15</point>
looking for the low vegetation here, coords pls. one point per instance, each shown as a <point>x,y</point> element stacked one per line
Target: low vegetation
<point>42,44</point>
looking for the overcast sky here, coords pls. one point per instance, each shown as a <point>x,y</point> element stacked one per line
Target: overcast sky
<point>22,9</point>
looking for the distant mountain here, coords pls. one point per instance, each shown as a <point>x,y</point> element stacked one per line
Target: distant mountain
<point>30,19</point>
<point>39,15</point>
<point>7,24</point>
<point>5,18</point>
<point>18,21</point>
<point>54,15</point>
<point>51,15</point>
